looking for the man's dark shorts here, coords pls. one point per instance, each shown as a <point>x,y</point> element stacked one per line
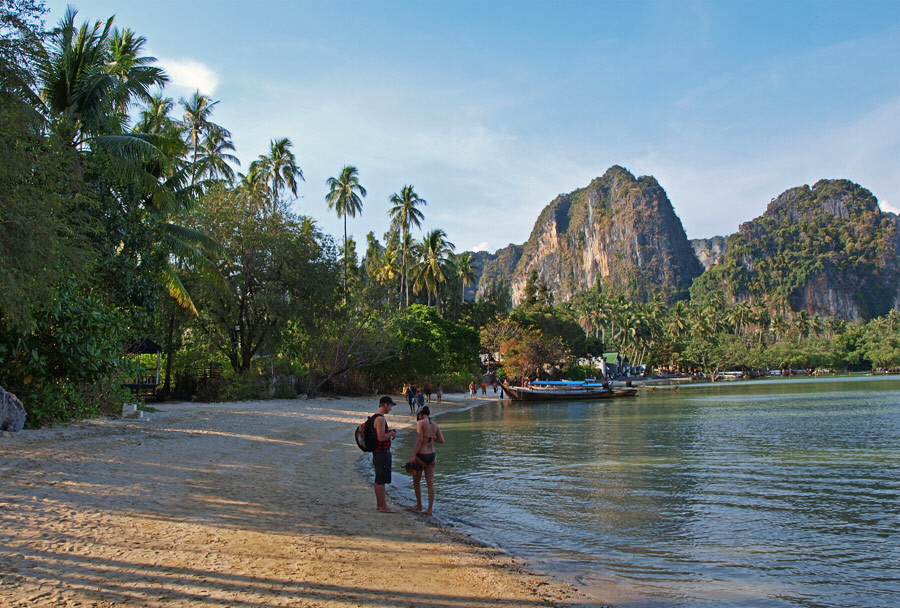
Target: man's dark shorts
<point>382,462</point>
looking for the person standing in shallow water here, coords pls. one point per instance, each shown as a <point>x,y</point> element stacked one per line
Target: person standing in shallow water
<point>427,434</point>
<point>381,457</point>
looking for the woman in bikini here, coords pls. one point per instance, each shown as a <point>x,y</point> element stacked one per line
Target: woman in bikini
<point>427,434</point>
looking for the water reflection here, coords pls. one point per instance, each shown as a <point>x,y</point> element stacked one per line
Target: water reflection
<point>756,494</point>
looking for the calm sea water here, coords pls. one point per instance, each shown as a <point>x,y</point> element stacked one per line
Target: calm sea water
<point>778,493</point>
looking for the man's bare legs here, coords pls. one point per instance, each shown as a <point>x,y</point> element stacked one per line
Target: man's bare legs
<point>381,499</point>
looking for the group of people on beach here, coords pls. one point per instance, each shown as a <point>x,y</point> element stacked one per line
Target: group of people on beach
<point>473,388</point>
<point>423,460</point>
<point>418,397</point>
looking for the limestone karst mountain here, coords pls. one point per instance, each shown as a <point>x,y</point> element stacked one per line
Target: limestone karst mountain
<point>826,249</point>
<point>619,230</point>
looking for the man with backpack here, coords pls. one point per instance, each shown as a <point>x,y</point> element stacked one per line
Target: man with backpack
<point>381,457</point>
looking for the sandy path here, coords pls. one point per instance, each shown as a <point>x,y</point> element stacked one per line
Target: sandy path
<point>254,504</point>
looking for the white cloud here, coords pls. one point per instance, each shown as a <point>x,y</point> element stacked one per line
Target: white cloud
<point>888,208</point>
<point>191,75</point>
<point>483,246</point>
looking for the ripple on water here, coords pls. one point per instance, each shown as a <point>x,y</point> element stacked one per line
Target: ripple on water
<point>771,495</point>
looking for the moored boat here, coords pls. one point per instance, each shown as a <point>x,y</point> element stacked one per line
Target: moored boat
<point>565,390</point>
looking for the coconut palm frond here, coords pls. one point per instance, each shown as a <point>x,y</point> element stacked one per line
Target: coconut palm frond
<point>177,290</point>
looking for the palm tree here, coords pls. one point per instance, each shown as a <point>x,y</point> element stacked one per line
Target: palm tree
<point>87,76</point>
<point>404,215</point>
<point>134,73</point>
<point>778,326</point>
<point>388,266</point>
<point>345,197</point>
<point>762,319</point>
<point>197,112</point>
<point>154,116</point>
<point>465,271</point>
<point>737,316</point>
<point>802,323</point>
<point>431,267</point>
<point>215,147</point>
<point>277,169</point>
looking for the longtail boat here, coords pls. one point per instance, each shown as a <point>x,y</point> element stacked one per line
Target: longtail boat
<point>565,390</point>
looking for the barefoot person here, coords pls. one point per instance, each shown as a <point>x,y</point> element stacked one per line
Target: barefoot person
<point>381,457</point>
<point>427,434</point>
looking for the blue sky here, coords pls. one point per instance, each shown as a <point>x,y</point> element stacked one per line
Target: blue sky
<point>490,109</point>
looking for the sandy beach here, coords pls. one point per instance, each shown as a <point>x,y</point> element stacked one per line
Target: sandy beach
<point>251,504</point>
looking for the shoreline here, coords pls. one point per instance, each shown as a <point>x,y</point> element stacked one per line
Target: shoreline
<point>234,504</point>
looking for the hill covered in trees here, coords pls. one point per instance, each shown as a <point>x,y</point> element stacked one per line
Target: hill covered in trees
<point>827,250</point>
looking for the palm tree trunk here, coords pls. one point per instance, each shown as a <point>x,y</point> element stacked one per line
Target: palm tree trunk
<point>402,276</point>
<point>170,356</point>
<point>345,258</point>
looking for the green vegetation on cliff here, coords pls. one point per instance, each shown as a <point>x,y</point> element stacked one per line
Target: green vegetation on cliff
<point>827,250</point>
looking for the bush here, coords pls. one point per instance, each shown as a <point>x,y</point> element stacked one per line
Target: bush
<point>62,401</point>
<point>210,389</point>
<point>71,366</point>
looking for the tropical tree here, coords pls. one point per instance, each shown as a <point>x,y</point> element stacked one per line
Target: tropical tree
<point>198,109</point>
<point>86,76</point>
<point>778,326</point>
<point>432,264</point>
<point>42,239</point>
<point>278,271</point>
<point>427,346</point>
<point>84,86</point>
<point>216,159</point>
<point>387,266</point>
<point>465,271</point>
<point>345,197</point>
<point>155,116</point>
<point>134,74</point>
<point>527,354</point>
<point>802,324</point>
<point>404,216</point>
<point>276,170</point>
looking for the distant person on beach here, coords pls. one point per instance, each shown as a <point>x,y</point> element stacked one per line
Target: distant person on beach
<point>411,397</point>
<point>428,391</point>
<point>381,457</point>
<point>427,434</point>
<point>420,401</point>
<point>473,391</point>
<point>439,392</point>
<point>494,384</point>
<point>483,387</point>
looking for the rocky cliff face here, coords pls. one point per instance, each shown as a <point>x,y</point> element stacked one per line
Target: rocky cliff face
<point>619,230</point>
<point>495,270</point>
<point>826,249</point>
<point>709,251</point>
